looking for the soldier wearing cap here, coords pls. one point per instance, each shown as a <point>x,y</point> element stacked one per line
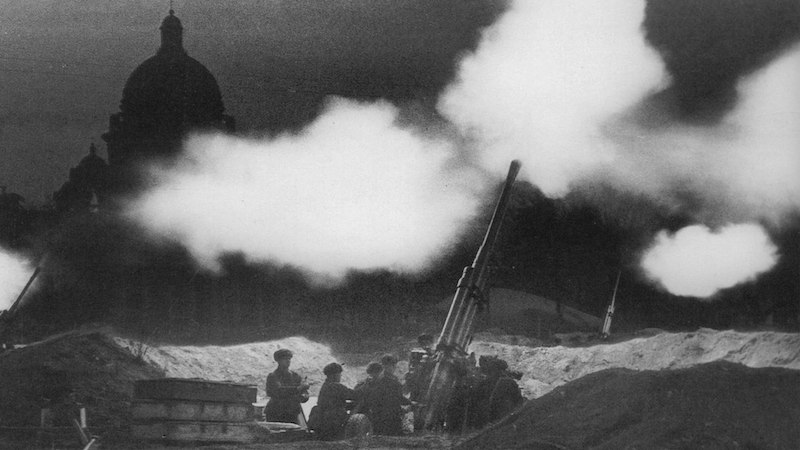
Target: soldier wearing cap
<point>365,386</point>
<point>384,403</point>
<point>330,415</point>
<point>420,367</point>
<point>286,391</point>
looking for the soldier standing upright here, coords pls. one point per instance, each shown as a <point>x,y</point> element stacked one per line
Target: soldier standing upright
<point>286,391</point>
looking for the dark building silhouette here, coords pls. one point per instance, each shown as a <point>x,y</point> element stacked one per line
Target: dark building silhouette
<point>168,95</point>
<point>10,201</point>
<point>87,187</point>
<point>12,217</point>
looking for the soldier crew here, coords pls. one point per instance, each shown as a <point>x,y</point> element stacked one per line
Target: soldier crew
<point>384,402</point>
<point>286,391</point>
<point>496,395</point>
<point>364,387</point>
<point>420,366</point>
<point>477,400</point>
<point>330,415</point>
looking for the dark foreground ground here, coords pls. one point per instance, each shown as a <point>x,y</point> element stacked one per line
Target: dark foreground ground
<point>718,405</point>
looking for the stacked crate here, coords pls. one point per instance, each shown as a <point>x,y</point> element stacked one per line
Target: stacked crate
<point>192,410</point>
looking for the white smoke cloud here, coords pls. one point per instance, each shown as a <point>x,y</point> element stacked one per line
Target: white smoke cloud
<point>560,85</point>
<point>698,262</point>
<point>352,191</point>
<point>546,78</point>
<point>564,86</point>
<point>15,271</point>
<point>746,168</point>
<point>765,165</point>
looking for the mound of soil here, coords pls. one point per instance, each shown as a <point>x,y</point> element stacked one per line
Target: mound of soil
<point>546,368</point>
<point>99,368</point>
<point>709,406</point>
<point>707,389</point>
<point>248,363</point>
<point>90,367</point>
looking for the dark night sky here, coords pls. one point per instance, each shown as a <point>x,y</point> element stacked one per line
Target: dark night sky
<point>64,63</point>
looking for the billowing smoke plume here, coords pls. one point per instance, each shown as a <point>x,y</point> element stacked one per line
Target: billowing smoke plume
<point>746,167</point>
<point>352,191</point>
<point>545,80</point>
<point>564,86</point>
<point>698,262</point>
<point>572,89</point>
<point>15,271</point>
<point>764,168</point>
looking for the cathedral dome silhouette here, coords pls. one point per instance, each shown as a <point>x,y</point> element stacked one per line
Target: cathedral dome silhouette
<point>165,98</point>
<point>171,92</point>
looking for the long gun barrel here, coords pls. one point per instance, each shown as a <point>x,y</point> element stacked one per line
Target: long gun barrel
<point>457,330</point>
<point>6,317</point>
<point>21,295</point>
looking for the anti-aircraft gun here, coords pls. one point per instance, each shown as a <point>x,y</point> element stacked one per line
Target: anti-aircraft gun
<point>451,347</point>
<point>606,331</point>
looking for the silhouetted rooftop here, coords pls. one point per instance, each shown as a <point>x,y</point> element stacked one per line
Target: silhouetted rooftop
<point>171,89</point>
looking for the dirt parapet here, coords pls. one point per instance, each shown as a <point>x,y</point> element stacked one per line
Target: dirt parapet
<point>546,368</point>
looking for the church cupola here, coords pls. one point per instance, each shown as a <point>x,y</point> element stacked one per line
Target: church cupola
<point>171,34</point>
<point>167,96</point>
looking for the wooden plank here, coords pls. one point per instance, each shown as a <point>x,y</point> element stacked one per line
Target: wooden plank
<point>146,410</point>
<point>81,432</point>
<point>189,431</point>
<point>194,389</point>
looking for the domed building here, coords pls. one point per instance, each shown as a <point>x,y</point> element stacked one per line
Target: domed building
<point>87,186</point>
<point>168,95</point>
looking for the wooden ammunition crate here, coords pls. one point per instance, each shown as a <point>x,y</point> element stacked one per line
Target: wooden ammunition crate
<point>192,410</point>
<point>194,389</point>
